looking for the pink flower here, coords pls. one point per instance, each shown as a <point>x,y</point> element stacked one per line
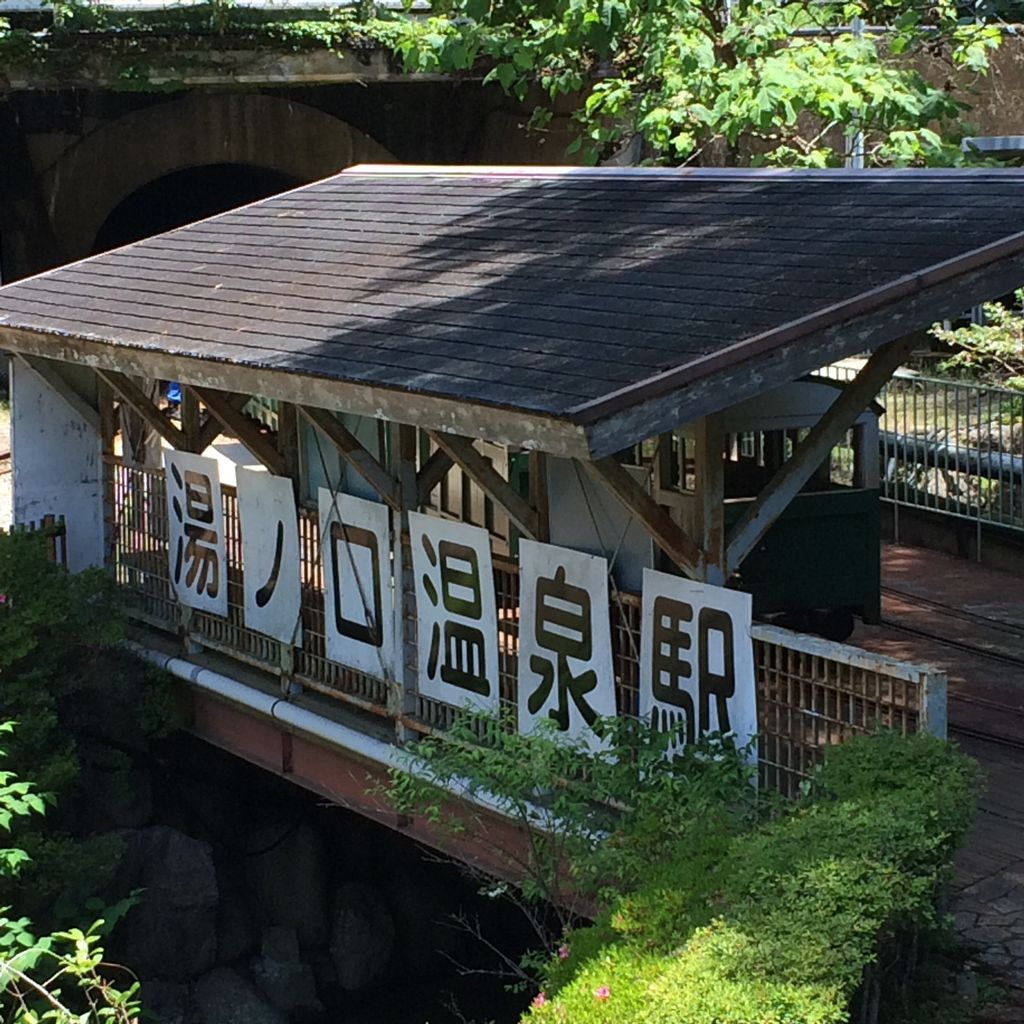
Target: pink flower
<point>563,952</point>
<point>602,992</point>
<point>539,1000</point>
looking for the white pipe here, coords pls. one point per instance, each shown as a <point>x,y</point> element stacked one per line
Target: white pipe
<point>277,708</point>
<point>351,740</point>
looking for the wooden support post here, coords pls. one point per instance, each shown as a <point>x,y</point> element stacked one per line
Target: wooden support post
<point>538,473</point>
<point>107,415</point>
<point>787,482</point>
<point>680,548</point>
<point>51,374</point>
<point>402,697</point>
<point>288,442</point>
<point>496,487</point>
<point>235,421</point>
<point>431,473</point>
<point>191,422</point>
<point>108,433</point>
<point>709,506</point>
<point>141,404</point>
<point>356,455</point>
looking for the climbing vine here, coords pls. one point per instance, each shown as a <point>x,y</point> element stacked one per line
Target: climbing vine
<point>657,81</point>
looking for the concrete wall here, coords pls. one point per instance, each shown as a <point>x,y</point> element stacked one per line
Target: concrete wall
<point>57,461</point>
<point>68,159</point>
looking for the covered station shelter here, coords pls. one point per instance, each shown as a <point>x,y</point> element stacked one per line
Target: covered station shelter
<point>622,361</point>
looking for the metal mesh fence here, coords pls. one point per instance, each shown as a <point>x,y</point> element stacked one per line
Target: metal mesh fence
<point>811,692</point>
<point>951,447</point>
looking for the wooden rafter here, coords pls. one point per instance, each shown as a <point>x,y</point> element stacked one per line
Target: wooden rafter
<point>791,477</point>
<point>231,417</point>
<point>140,403</point>
<point>495,486</point>
<point>53,377</point>
<point>353,452</point>
<point>431,473</point>
<point>671,538</point>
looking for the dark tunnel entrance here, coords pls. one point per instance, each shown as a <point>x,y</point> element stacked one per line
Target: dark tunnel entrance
<point>185,196</point>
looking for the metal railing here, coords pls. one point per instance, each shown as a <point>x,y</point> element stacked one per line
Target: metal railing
<point>952,447</point>
<point>811,692</point>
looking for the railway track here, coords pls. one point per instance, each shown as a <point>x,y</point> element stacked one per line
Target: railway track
<point>1008,632</point>
<point>1007,635</point>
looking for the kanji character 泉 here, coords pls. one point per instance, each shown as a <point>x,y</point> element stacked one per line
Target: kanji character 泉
<point>563,627</point>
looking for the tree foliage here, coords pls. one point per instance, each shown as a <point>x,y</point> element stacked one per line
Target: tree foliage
<point>78,700</point>
<point>991,351</point>
<point>59,978</point>
<point>757,82</point>
<point>594,821</point>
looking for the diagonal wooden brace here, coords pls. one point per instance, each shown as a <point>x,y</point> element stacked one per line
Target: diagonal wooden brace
<point>352,451</point>
<point>495,486</point>
<point>431,473</point>
<point>221,408</point>
<point>664,531</point>
<point>140,403</point>
<point>212,428</point>
<point>51,374</point>
<point>788,481</point>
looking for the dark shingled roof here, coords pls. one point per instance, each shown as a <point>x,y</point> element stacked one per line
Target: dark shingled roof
<point>542,290</point>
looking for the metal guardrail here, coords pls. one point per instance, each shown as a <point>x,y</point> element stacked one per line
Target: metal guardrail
<point>811,692</point>
<point>952,447</point>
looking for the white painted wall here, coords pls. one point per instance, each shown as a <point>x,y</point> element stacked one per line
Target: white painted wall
<point>586,516</point>
<point>57,465</point>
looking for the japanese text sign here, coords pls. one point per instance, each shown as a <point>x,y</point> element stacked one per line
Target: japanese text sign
<point>355,543</point>
<point>272,586</point>
<point>199,572</point>
<point>455,610</point>
<point>696,659</point>
<point>565,651</point>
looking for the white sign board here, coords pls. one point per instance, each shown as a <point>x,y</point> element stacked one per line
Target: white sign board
<point>565,648</point>
<point>272,586</point>
<point>696,659</point>
<point>457,622</point>
<point>199,568</point>
<point>359,622</point>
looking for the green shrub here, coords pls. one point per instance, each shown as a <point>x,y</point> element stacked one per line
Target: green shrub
<point>782,923</point>
<point>78,699</point>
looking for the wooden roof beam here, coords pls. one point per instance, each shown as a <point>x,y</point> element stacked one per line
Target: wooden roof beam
<point>353,452</point>
<point>495,486</point>
<point>791,477</point>
<point>141,403</point>
<point>749,368</point>
<point>665,532</point>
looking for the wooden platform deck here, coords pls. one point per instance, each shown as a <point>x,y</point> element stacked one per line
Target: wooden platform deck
<point>969,621</point>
